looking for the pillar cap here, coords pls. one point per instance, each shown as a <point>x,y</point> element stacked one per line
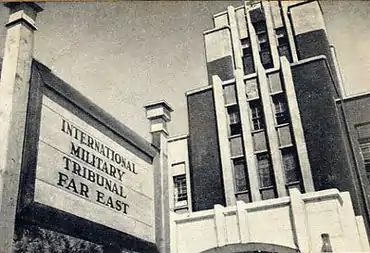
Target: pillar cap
<point>33,5</point>
<point>159,103</point>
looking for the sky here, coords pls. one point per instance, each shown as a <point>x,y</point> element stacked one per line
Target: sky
<point>123,55</point>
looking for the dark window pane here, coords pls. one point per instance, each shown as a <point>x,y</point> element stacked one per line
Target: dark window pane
<point>367,168</point>
<point>257,117</point>
<point>241,181</point>
<point>244,197</point>
<point>365,152</point>
<point>266,59</point>
<point>265,171</point>
<point>284,50</point>
<point>281,110</point>
<point>235,129</point>
<point>290,163</point>
<point>234,120</point>
<point>248,64</point>
<point>268,193</point>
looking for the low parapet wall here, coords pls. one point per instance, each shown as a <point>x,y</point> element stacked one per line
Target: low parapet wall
<point>296,222</point>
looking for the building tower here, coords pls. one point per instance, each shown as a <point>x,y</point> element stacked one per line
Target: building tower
<point>266,127</point>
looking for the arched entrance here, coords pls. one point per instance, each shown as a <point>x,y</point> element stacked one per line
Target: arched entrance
<point>252,247</point>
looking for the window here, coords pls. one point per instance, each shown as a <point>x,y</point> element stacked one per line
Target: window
<point>236,146</point>
<point>229,94</point>
<point>283,43</point>
<point>290,163</point>
<point>247,56</point>
<point>251,88</point>
<point>281,110</point>
<point>365,152</point>
<point>234,120</point>
<point>241,181</point>
<point>266,177</point>
<point>180,191</point>
<point>257,117</point>
<point>265,170</point>
<point>263,43</point>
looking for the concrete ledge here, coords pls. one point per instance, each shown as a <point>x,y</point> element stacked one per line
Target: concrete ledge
<point>198,90</point>
<point>216,29</point>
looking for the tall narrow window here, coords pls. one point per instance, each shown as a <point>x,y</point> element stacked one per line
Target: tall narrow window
<point>265,170</point>
<point>263,43</point>
<point>247,56</point>
<point>234,120</point>
<point>266,177</point>
<point>281,110</point>
<point>291,168</point>
<point>180,191</point>
<point>229,94</point>
<point>257,116</point>
<point>241,181</point>
<point>365,152</point>
<point>283,43</point>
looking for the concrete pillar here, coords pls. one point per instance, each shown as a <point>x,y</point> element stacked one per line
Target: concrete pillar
<point>245,119</point>
<point>225,153</point>
<point>14,89</point>
<point>276,160</point>
<point>299,221</point>
<point>266,5</point>
<point>237,50</point>
<point>219,219</point>
<point>159,113</point>
<point>284,7</point>
<point>298,133</point>
<point>242,220</point>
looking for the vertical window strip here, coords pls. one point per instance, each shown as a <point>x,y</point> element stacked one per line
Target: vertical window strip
<point>281,110</point>
<point>240,175</point>
<point>265,171</point>
<point>180,190</point>
<point>257,116</point>
<point>291,167</point>
<point>365,152</point>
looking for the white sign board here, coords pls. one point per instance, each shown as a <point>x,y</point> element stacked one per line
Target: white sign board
<point>82,171</point>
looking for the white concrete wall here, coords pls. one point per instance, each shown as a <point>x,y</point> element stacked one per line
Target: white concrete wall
<point>217,43</point>
<point>274,222</point>
<point>178,162</point>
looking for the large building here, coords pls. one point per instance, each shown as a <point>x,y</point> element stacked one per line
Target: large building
<point>276,156</point>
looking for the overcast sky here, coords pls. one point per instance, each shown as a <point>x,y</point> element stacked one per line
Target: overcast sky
<point>123,55</point>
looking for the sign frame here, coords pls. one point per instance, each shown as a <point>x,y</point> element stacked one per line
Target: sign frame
<point>44,82</point>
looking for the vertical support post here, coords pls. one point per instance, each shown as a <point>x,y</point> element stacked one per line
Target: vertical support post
<point>14,93</point>
<point>242,219</point>
<point>266,5</point>
<point>220,225</point>
<point>295,115</point>
<point>247,136</point>
<point>271,131</point>
<point>299,221</point>
<point>159,113</point>
<point>225,153</point>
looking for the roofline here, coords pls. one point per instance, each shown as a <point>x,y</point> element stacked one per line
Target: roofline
<point>163,102</point>
<point>198,90</point>
<point>178,137</point>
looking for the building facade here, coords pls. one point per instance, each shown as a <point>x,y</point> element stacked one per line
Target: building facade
<point>269,163</point>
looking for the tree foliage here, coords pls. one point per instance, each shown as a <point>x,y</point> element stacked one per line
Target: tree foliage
<point>35,240</point>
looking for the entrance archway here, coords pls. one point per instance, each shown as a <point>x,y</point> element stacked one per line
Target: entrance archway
<point>252,247</point>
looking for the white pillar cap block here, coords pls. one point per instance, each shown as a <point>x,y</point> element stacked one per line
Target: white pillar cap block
<point>23,12</point>
<point>159,109</point>
<point>159,113</point>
